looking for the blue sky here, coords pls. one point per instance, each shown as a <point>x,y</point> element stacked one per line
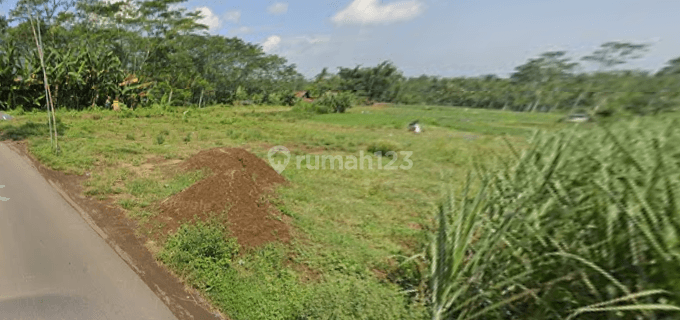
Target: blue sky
<point>440,37</point>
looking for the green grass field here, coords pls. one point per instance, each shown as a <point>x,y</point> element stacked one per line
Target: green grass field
<point>351,227</point>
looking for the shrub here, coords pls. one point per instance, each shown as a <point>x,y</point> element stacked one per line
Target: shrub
<point>289,98</point>
<point>160,139</point>
<point>274,99</point>
<point>308,107</point>
<point>257,98</point>
<point>335,102</point>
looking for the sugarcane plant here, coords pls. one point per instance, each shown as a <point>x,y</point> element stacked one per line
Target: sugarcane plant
<point>583,224</point>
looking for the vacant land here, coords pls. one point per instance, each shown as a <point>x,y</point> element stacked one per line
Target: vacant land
<point>346,231</point>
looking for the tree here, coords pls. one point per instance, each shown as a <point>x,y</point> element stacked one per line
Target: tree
<point>672,68</point>
<point>615,53</point>
<point>377,83</point>
<point>548,68</point>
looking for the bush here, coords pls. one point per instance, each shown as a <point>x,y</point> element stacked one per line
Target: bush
<point>274,99</point>
<point>289,98</point>
<point>308,107</point>
<point>160,139</point>
<point>335,102</point>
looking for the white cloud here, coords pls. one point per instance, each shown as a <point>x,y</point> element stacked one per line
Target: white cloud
<point>209,18</point>
<point>241,30</point>
<point>271,44</point>
<point>372,12</point>
<point>233,16</point>
<point>278,8</point>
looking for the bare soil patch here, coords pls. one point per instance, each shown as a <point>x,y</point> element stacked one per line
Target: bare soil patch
<point>238,186</point>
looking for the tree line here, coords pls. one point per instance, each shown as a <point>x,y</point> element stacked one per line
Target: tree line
<point>144,52</point>
<point>138,51</point>
<point>546,83</point>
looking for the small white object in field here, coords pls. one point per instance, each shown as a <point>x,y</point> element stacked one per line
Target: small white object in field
<point>414,126</point>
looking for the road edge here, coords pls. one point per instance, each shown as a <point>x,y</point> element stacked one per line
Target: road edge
<point>199,307</point>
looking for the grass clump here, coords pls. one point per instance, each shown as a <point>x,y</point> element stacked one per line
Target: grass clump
<point>384,148</point>
<point>193,248</point>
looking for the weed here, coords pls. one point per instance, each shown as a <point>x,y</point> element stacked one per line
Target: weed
<point>160,139</point>
<point>384,148</point>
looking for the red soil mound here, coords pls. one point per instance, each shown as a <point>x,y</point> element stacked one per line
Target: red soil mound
<point>238,184</point>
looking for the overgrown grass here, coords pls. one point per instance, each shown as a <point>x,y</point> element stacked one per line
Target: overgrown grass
<point>350,226</point>
<point>266,288</point>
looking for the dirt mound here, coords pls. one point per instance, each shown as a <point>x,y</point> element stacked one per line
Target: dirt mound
<point>237,184</point>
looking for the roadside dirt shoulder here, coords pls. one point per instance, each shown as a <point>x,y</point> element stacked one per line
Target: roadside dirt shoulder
<point>119,232</point>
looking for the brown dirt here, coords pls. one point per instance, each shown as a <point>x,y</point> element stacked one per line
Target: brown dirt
<point>110,222</point>
<point>380,105</point>
<point>238,185</point>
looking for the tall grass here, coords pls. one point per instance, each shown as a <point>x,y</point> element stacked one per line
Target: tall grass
<point>583,224</point>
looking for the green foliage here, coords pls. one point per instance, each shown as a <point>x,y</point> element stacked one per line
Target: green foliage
<point>209,260</point>
<point>351,244</point>
<point>376,83</point>
<point>384,147</point>
<point>195,247</point>
<point>160,139</point>
<point>332,102</point>
<point>582,223</point>
<point>289,99</point>
<point>308,107</point>
<point>240,94</point>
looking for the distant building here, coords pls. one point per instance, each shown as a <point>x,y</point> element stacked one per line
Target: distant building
<point>302,95</point>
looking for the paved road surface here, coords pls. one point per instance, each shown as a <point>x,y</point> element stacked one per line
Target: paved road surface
<point>53,265</point>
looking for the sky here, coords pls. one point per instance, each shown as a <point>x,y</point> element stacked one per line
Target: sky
<point>441,37</point>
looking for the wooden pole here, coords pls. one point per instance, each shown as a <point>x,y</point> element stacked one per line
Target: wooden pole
<point>48,95</point>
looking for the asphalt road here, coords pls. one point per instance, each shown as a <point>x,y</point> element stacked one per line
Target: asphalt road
<point>53,265</point>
